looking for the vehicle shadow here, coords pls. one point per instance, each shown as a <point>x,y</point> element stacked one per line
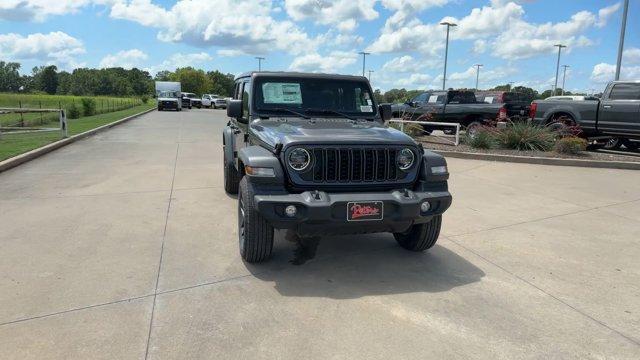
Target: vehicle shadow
<point>348,267</point>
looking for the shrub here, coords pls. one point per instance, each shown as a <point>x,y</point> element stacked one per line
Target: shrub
<point>523,136</point>
<point>145,99</point>
<point>73,111</point>
<point>483,138</point>
<point>88,106</point>
<point>570,145</point>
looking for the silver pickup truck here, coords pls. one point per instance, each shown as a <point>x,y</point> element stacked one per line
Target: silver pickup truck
<point>616,115</point>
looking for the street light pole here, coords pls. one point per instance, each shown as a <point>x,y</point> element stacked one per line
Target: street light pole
<point>478,66</point>
<point>564,76</point>
<point>555,86</point>
<point>364,59</point>
<point>621,44</point>
<point>446,53</point>
<point>370,71</point>
<point>260,62</point>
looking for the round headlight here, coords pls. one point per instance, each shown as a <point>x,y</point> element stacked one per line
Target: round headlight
<point>299,159</point>
<point>405,159</point>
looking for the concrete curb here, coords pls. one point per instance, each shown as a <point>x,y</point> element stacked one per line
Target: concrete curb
<point>625,165</point>
<point>35,153</point>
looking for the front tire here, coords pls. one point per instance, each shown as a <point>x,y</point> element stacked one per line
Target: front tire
<point>255,235</point>
<point>631,145</point>
<point>420,237</point>
<point>613,144</point>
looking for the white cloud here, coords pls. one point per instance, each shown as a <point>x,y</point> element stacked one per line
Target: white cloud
<point>408,64</point>
<point>56,48</point>
<point>603,73</point>
<point>244,25</point>
<point>500,26</point>
<point>126,59</point>
<point>605,13</point>
<point>38,10</point>
<point>415,81</point>
<point>631,56</point>
<point>180,60</point>
<point>343,14</point>
<point>479,46</point>
<point>330,63</point>
<point>230,52</point>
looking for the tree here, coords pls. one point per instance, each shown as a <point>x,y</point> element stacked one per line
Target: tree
<point>9,76</point>
<point>221,84</point>
<point>48,81</point>
<point>192,80</point>
<point>529,93</point>
<point>164,75</point>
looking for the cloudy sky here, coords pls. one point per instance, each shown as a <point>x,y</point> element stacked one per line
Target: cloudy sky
<point>512,39</point>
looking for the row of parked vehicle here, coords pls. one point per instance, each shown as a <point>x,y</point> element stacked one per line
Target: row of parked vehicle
<point>177,100</point>
<point>613,119</point>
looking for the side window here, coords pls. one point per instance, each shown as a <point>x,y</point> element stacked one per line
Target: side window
<point>421,98</point>
<point>246,89</point>
<point>236,91</point>
<point>625,92</point>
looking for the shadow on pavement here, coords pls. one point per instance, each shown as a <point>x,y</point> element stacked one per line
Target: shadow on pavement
<point>378,267</point>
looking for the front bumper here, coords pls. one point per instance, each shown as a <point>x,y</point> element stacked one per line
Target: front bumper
<point>168,104</point>
<point>326,214</point>
<point>221,104</point>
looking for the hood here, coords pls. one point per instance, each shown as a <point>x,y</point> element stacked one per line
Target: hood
<point>288,131</point>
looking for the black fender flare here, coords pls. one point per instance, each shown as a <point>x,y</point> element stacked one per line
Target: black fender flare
<point>228,142</point>
<point>257,156</point>
<point>430,160</point>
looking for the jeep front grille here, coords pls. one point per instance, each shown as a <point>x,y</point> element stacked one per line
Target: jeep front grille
<point>333,165</point>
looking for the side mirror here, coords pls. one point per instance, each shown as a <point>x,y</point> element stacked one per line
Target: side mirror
<point>234,109</point>
<point>385,112</point>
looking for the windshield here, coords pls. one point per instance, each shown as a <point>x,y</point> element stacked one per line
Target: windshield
<point>169,94</point>
<point>316,96</point>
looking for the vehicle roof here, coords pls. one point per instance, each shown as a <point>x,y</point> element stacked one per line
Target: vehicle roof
<point>292,74</point>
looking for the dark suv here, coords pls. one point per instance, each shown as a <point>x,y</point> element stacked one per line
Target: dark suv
<point>311,153</point>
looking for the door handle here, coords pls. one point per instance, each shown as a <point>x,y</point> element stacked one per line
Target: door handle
<point>607,106</point>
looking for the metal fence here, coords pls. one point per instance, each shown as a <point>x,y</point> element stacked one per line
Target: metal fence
<point>17,129</point>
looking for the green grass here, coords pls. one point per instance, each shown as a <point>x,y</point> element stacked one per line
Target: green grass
<point>104,104</point>
<point>16,144</point>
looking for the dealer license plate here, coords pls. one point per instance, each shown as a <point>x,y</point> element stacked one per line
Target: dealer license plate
<point>365,211</point>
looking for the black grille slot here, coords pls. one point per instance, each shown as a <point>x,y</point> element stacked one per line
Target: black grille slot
<point>369,162</point>
<point>356,174</point>
<point>332,165</point>
<point>318,166</point>
<point>344,161</point>
<point>353,165</point>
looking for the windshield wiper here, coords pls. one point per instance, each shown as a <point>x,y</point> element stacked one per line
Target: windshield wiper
<point>329,111</point>
<point>281,109</point>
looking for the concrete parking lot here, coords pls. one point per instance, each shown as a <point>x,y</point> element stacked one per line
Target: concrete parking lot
<point>123,246</point>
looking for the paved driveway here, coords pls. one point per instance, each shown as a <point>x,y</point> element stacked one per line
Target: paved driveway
<point>123,246</point>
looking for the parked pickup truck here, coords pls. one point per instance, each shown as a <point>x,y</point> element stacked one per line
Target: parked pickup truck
<point>450,106</point>
<point>517,104</point>
<point>616,115</point>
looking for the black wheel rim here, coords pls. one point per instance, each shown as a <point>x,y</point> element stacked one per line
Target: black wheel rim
<point>241,224</point>
<point>611,143</point>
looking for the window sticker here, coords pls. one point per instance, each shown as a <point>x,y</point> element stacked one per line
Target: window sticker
<point>488,99</point>
<point>433,99</point>
<point>366,108</point>
<point>369,102</point>
<point>281,93</point>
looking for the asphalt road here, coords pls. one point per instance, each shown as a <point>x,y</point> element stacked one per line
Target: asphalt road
<point>123,246</point>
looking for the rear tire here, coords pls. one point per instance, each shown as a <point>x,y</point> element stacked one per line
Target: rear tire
<point>473,128</point>
<point>255,234</point>
<point>420,237</point>
<point>613,144</point>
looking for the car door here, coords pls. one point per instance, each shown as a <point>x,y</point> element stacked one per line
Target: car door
<point>619,111</point>
<point>242,124</point>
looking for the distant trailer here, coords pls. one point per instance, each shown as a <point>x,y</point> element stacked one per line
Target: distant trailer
<point>173,86</point>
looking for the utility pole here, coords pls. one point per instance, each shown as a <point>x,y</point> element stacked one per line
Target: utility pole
<point>446,53</point>
<point>370,71</point>
<point>564,76</point>
<point>510,83</point>
<point>555,86</point>
<point>259,58</point>
<point>478,66</point>
<point>623,29</point>
<point>364,59</point>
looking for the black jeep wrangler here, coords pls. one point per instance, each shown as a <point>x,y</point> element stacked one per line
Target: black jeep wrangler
<point>311,153</point>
